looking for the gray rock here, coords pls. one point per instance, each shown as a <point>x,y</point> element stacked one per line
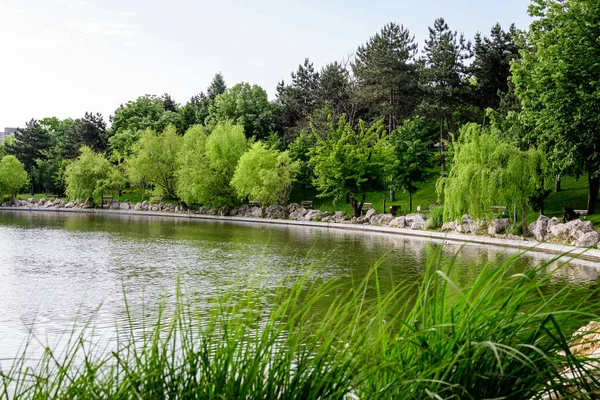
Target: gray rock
<point>137,207</point>
<point>255,212</point>
<point>224,211</point>
<point>370,213</point>
<point>398,222</point>
<point>381,219</point>
<point>588,239</point>
<point>276,212</point>
<point>145,204</point>
<point>498,226</point>
<point>539,228</point>
<point>243,210</point>
<point>125,205</point>
<point>576,232</point>
<point>298,213</point>
<point>415,221</point>
<point>70,205</point>
<point>312,215</point>
<point>467,225</point>
<point>89,203</point>
<point>293,207</point>
<point>114,205</point>
<point>449,226</point>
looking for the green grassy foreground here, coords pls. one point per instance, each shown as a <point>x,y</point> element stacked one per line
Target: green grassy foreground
<point>499,338</point>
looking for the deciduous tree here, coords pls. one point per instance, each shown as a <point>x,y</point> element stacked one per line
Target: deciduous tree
<point>348,163</point>
<point>264,175</point>
<point>12,175</point>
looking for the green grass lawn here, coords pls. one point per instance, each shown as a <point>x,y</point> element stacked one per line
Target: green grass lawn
<point>573,194</point>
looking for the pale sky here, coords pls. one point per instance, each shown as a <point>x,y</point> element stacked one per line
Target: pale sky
<point>65,57</point>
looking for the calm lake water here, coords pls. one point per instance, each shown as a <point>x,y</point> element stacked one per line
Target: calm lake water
<point>61,270</point>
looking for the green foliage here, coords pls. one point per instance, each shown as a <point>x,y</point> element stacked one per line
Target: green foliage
<point>13,176</point>
<point>264,175</point>
<point>89,175</point>
<point>153,161</point>
<point>30,144</point>
<point>206,164</point>
<point>491,65</point>
<point>247,106</point>
<point>88,131</point>
<point>413,158</point>
<point>489,172</point>
<point>557,83</point>
<point>348,163</point>
<point>387,74</point>
<point>435,218</point>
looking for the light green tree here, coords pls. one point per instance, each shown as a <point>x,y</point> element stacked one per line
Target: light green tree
<point>12,175</point>
<point>264,175</point>
<point>206,164</point>
<point>91,174</point>
<point>153,161</point>
<point>413,159</point>
<point>348,163</point>
<point>487,171</point>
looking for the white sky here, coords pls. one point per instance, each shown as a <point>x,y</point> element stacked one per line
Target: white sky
<point>65,57</point>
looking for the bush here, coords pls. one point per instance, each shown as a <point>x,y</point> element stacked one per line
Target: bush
<point>436,218</point>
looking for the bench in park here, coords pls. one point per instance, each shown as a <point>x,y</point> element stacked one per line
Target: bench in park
<point>499,210</point>
<point>581,213</point>
<point>253,203</point>
<point>366,206</point>
<point>106,200</point>
<point>306,203</point>
<point>51,196</point>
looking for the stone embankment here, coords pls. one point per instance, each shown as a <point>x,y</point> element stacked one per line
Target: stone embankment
<point>552,230</point>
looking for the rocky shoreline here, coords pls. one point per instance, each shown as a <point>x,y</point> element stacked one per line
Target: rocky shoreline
<point>576,233</point>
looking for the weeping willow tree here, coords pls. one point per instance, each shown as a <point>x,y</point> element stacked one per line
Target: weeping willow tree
<point>487,171</point>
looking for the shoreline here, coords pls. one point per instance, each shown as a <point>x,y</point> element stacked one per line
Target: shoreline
<point>578,253</point>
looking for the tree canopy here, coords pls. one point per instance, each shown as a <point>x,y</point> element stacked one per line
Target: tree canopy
<point>557,81</point>
<point>348,163</point>
<point>12,175</point>
<point>264,175</point>
<point>207,162</point>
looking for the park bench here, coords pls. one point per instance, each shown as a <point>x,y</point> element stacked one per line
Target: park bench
<point>50,195</point>
<point>253,203</point>
<point>582,213</point>
<point>155,200</point>
<point>499,210</point>
<point>106,200</point>
<point>366,206</point>
<point>306,203</point>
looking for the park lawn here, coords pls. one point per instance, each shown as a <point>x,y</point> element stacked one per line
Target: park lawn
<point>573,194</point>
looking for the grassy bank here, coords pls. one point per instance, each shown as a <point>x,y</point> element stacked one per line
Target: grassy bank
<point>499,338</point>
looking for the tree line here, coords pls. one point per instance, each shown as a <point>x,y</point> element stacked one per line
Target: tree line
<point>373,119</point>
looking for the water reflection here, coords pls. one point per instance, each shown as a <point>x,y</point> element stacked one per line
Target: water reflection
<point>55,267</point>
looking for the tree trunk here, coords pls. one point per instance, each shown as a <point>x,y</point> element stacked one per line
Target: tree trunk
<point>384,199</point>
<point>410,201</point>
<point>392,195</point>
<point>442,159</point>
<point>594,185</point>
<point>524,217</point>
<point>557,184</point>
<point>32,189</point>
<point>356,207</point>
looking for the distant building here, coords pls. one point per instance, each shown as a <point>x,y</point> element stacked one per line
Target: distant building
<point>7,132</point>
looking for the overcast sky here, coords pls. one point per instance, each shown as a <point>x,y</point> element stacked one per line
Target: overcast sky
<point>65,57</point>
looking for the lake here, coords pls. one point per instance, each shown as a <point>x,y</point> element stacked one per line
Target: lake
<point>60,270</point>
